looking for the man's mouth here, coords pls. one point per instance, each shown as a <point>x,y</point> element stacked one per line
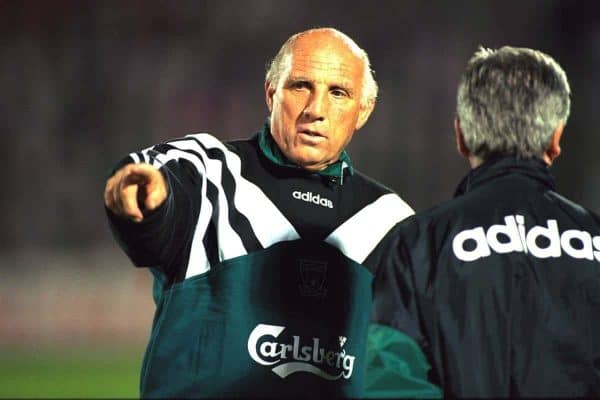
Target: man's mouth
<point>311,133</point>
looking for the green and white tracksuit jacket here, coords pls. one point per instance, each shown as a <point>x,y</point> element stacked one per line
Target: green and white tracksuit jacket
<point>264,277</point>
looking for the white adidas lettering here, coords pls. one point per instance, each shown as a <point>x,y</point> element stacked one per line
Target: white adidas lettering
<point>574,243</point>
<point>309,197</point>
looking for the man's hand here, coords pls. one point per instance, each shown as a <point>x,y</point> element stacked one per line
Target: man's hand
<point>133,186</point>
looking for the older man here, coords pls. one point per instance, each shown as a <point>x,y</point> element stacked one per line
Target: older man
<point>501,285</point>
<point>264,249</point>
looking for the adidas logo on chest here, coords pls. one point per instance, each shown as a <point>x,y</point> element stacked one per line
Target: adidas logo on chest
<point>310,197</point>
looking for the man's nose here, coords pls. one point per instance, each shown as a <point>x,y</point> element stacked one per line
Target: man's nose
<point>316,107</point>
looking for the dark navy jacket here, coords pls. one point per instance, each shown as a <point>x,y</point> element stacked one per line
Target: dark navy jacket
<point>501,286</point>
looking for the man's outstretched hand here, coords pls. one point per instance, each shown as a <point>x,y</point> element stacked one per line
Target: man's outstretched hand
<point>133,188</point>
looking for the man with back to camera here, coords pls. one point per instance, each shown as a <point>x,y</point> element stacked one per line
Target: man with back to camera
<point>263,249</point>
<point>501,285</point>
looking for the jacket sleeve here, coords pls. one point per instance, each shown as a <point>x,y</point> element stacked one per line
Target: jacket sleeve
<point>163,238</point>
<point>396,364</point>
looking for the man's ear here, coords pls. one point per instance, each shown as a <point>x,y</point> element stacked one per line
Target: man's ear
<point>364,113</point>
<point>269,92</point>
<point>553,149</point>
<point>462,148</point>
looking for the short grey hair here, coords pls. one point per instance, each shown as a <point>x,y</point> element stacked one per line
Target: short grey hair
<point>510,101</point>
<point>279,66</point>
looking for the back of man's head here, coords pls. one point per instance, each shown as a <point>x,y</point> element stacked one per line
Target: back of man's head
<point>510,101</point>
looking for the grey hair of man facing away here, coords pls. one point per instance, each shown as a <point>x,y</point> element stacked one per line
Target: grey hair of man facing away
<point>509,257</point>
<point>511,101</point>
<point>282,62</point>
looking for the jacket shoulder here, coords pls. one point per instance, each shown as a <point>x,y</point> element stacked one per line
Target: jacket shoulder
<point>373,186</point>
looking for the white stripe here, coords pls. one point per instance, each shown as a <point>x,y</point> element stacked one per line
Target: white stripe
<point>230,243</point>
<point>157,161</point>
<point>358,236</point>
<point>135,158</point>
<point>198,261</point>
<point>268,223</point>
<point>145,156</point>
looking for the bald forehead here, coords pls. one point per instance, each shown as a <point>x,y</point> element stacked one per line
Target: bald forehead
<point>329,40</point>
<point>325,58</point>
<point>328,49</point>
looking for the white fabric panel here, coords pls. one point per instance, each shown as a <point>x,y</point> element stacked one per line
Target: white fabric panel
<point>268,223</point>
<point>230,243</point>
<point>198,261</point>
<point>373,222</point>
<point>135,158</point>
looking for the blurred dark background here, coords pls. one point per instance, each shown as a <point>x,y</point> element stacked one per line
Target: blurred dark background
<point>84,83</point>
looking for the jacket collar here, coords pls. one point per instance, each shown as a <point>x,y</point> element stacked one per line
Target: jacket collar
<point>503,165</point>
<point>338,170</point>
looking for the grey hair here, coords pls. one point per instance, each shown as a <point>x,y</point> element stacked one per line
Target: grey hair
<point>510,101</point>
<point>280,65</point>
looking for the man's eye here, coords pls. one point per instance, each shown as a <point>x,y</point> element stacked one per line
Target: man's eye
<point>339,93</point>
<point>299,85</point>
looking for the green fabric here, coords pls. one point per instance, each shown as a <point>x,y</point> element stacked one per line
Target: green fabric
<point>272,152</point>
<point>396,366</point>
<point>200,343</point>
<point>158,284</point>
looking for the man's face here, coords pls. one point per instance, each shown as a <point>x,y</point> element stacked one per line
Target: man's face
<point>315,107</point>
